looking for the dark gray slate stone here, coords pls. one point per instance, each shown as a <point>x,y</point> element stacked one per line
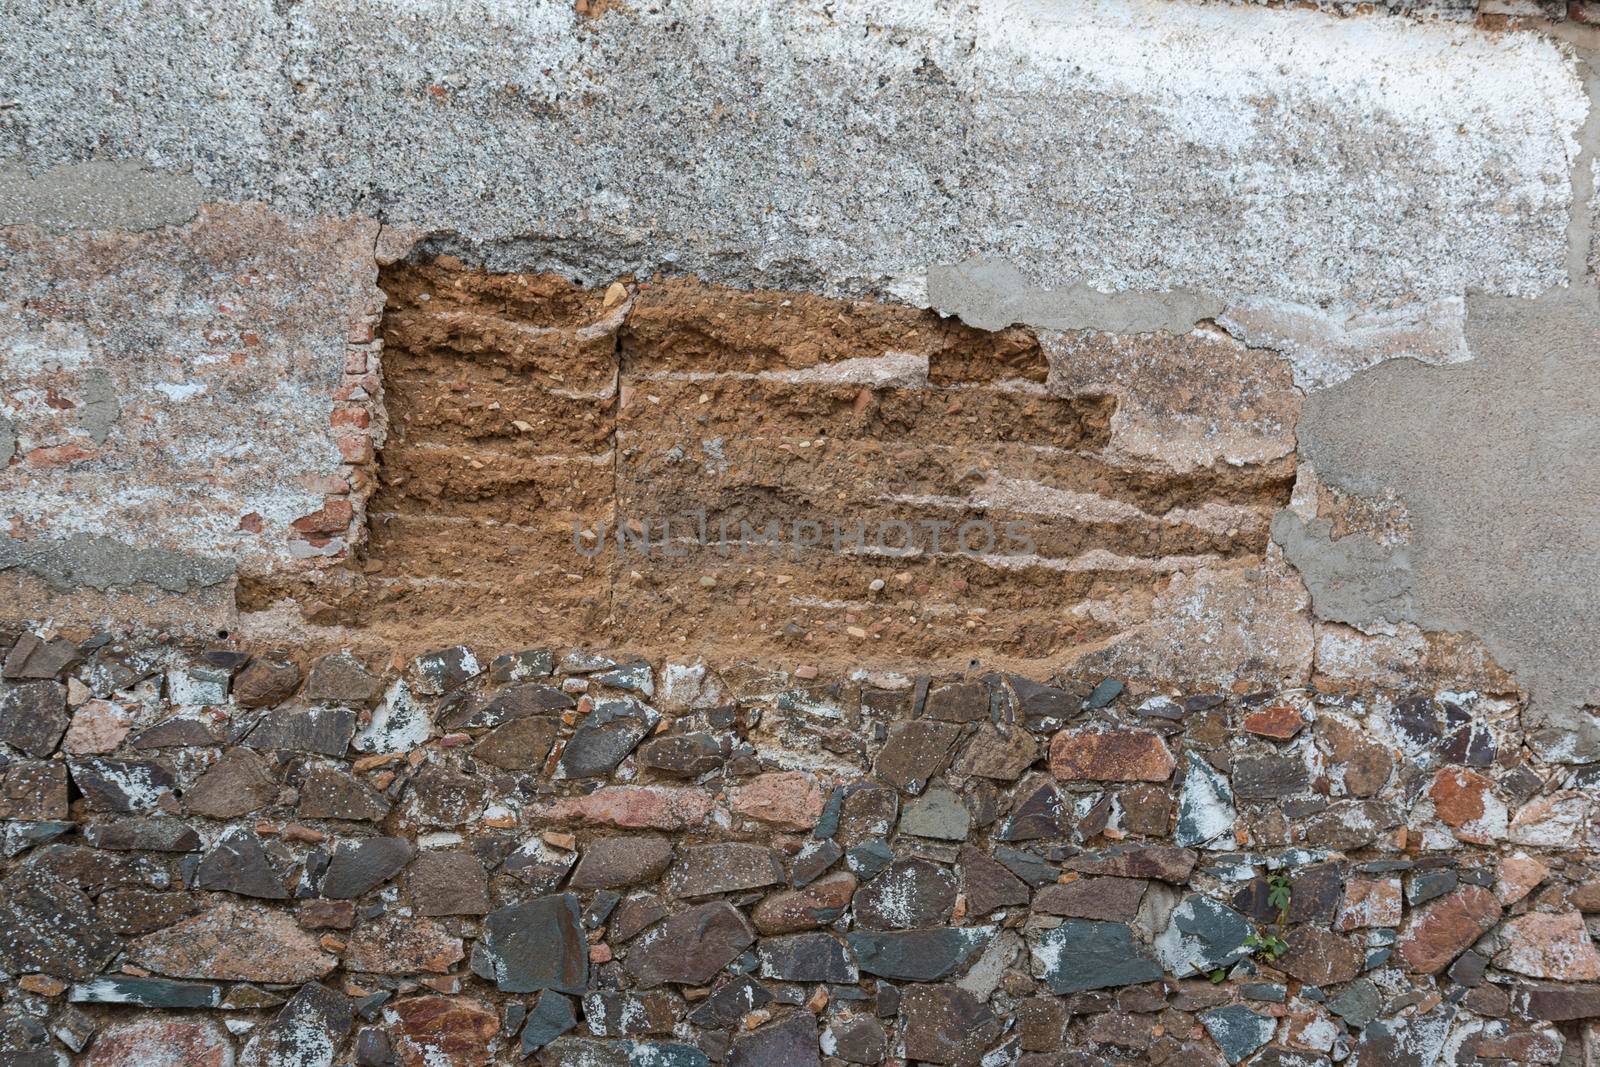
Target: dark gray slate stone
<point>1237,1030</point>
<point>605,737</point>
<point>908,894</point>
<point>33,716</point>
<point>1202,936</point>
<point>537,945</point>
<point>518,702</point>
<point>1082,954</point>
<point>1270,777</point>
<point>1103,694</point>
<point>690,947</point>
<point>1358,1003</point>
<point>866,860</point>
<point>341,677</point>
<point>1036,812</point>
<point>1424,886</point>
<point>143,834</point>
<point>813,861</point>
<point>791,1042</point>
<point>123,786</point>
<point>441,671</point>
<point>238,863</point>
<point>146,992</point>
<point>731,1002</point>
<point>634,677</point>
<point>809,957</point>
<point>937,814</point>
<point>1043,701</point>
<point>855,1039</point>
<point>681,755</point>
<point>1406,1042</point>
<point>323,730</point>
<point>290,1040</point>
<point>724,867</point>
<point>373,1049</point>
<point>49,927</point>
<point>360,866</point>
<point>520,666</point>
<point>918,955</point>
<point>552,1016</point>
<point>587,1052</point>
<point>1026,866</point>
<point>612,862</point>
<point>540,865</point>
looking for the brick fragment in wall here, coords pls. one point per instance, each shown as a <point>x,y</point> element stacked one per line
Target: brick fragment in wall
<point>172,391</point>
<point>1161,871</point>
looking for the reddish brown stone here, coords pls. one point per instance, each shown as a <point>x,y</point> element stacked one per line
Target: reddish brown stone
<point>1446,927</point>
<point>1587,897</point>
<point>139,911</point>
<point>1146,809</point>
<point>1108,899</point>
<point>1110,755</point>
<point>1542,945</point>
<point>33,790</point>
<point>240,782</point>
<point>97,728</point>
<point>1458,795</point>
<point>789,799</point>
<point>1279,722</point>
<point>234,942</point>
<point>265,681</point>
<point>1319,957</point>
<point>327,914</point>
<point>157,1042</point>
<point>1366,764</point>
<point>998,750</point>
<point>1164,863</point>
<point>987,884</point>
<point>1370,902</point>
<point>634,808</point>
<point>395,944</point>
<point>817,904</point>
<point>442,1031</point>
<point>1519,875</point>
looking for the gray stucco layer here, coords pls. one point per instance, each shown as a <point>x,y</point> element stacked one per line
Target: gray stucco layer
<point>1498,462</point>
<point>1122,144</point>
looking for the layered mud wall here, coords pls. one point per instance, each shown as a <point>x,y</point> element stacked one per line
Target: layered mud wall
<point>609,534</point>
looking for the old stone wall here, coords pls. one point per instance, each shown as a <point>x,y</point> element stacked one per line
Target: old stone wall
<point>1038,533</point>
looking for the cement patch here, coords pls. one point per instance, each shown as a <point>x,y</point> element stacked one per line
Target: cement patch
<point>1353,579</point>
<point>121,195</point>
<point>105,563</point>
<point>992,295</point>
<point>1498,462</point>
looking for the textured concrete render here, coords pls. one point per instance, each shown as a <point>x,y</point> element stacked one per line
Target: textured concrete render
<point>1498,462</point>
<point>1125,144</point>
